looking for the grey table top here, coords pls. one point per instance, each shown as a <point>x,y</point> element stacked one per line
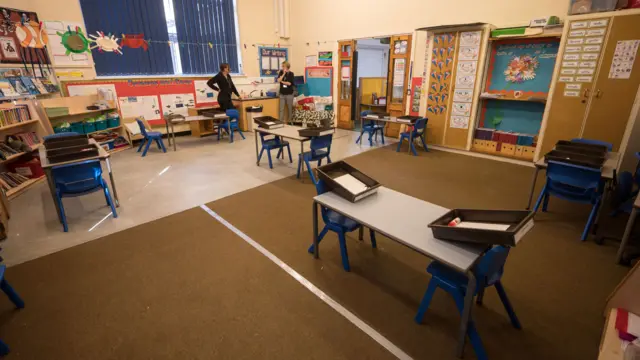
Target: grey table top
<point>408,225</point>
<point>288,132</point>
<point>608,168</point>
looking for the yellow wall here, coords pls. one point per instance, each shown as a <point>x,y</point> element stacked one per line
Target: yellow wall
<point>254,16</point>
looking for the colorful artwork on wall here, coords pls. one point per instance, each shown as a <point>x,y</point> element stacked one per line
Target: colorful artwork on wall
<point>441,70</point>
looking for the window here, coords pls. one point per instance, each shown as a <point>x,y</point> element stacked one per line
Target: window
<point>185,36</point>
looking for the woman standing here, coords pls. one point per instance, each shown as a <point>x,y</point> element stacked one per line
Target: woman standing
<point>223,84</point>
<point>285,78</point>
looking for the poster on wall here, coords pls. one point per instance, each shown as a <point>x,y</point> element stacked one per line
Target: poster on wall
<point>58,51</point>
<point>204,94</point>
<point>177,104</point>
<point>624,57</point>
<point>325,58</point>
<point>145,106</point>
<point>310,60</point>
<point>398,72</point>
<point>440,76</point>
<point>23,40</point>
<point>271,59</point>
<point>416,95</point>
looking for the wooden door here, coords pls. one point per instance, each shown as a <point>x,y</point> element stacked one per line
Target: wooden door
<point>399,69</point>
<point>345,88</point>
<point>614,93</point>
<point>570,99</point>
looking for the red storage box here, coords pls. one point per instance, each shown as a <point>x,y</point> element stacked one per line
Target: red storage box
<point>31,169</point>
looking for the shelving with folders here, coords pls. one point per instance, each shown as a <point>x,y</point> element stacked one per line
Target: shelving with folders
<point>513,100</point>
<point>21,133</point>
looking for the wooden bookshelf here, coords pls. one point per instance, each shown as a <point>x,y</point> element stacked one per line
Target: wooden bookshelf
<point>82,113</point>
<point>22,188</point>
<point>107,129</point>
<point>16,156</point>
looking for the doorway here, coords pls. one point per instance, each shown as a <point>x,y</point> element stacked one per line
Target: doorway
<point>372,69</point>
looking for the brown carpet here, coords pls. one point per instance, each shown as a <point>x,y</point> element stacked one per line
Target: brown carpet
<point>182,287</point>
<point>557,284</point>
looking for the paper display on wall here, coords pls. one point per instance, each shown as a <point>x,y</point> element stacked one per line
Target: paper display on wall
<point>624,58</point>
<point>310,60</point>
<point>204,94</point>
<point>398,72</point>
<point>177,104</point>
<point>83,90</point>
<point>459,122</point>
<point>468,53</point>
<point>145,106</point>
<point>462,95</point>
<point>58,51</point>
<point>470,38</point>
<point>461,109</point>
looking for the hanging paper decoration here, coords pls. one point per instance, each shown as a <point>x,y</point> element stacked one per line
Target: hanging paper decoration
<point>74,41</point>
<point>6,25</point>
<point>33,40</point>
<point>107,43</point>
<point>135,41</point>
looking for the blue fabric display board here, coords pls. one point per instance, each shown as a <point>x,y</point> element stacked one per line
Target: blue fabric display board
<point>319,80</point>
<point>271,59</point>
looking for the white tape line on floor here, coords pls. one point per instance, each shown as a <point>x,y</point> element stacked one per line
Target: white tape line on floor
<point>319,293</point>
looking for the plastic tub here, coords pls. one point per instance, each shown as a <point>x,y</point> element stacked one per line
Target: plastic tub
<point>77,127</point>
<point>89,127</point>
<point>101,125</point>
<point>59,130</point>
<point>113,122</point>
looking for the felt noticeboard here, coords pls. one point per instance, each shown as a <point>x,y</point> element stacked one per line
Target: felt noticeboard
<point>319,80</point>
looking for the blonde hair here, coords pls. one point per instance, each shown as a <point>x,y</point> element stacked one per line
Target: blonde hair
<point>286,64</point>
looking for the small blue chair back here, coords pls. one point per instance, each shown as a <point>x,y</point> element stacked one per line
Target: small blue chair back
<point>593,142</point>
<point>419,126</point>
<point>267,137</point>
<point>491,266</point>
<point>78,178</point>
<point>143,130</point>
<point>573,180</point>
<point>60,135</point>
<point>233,114</point>
<point>321,142</point>
<point>365,113</point>
<point>321,188</point>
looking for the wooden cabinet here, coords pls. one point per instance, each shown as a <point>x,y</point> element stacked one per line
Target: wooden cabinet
<point>399,69</point>
<point>587,100</point>
<point>270,107</point>
<point>345,83</point>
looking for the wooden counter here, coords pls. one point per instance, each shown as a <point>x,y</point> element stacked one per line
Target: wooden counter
<point>270,107</point>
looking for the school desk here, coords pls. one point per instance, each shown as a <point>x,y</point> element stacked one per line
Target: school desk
<point>103,155</point>
<point>628,229</point>
<point>608,174</point>
<point>386,119</point>
<point>287,132</point>
<point>411,230</point>
<point>194,119</point>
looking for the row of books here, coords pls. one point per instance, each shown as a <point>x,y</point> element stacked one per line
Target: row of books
<point>29,138</point>
<point>10,180</point>
<point>14,115</point>
<point>505,137</point>
<point>7,151</point>
<point>25,85</point>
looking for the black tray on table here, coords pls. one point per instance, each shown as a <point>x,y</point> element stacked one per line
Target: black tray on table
<point>268,122</point>
<point>68,143</point>
<point>408,119</point>
<point>328,173</point>
<point>587,147</point>
<point>519,222</point>
<point>54,141</point>
<point>594,162</point>
<point>379,115</point>
<point>72,153</point>
<point>595,152</point>
<point>313,132</point>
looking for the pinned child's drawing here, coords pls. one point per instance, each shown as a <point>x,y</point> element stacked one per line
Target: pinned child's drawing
<point>108,43</point>
<point>521,69</point>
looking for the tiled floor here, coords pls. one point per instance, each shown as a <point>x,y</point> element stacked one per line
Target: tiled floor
<point>202,170</point>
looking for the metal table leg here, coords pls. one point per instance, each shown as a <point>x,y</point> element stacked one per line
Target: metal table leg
<point>361,129</point>
<point>361,233</point>
<point>301,158</point>
<point>466,313</point>
<point>316,251</point>
<point>229,130</point>
<point>605,194</point>
<point>410,141</point>
<point>173,134</point>
<point>627,234</point>
<point>166,124</point>
<point>52,189</point>
<point>533,187</point>
<point>255,134</point>
<point>113,184</point>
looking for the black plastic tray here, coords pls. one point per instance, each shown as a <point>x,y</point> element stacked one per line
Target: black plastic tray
<point>379,115</point>
<point>575,159</point>
<point>412,119</point>
<point>583,145</point>
<point>312,132</point>
<point>262,122</point>
<point>595,152</point>
<point>72,153</point>
<point>519,221</point>
<point>66,144</point>
<point>63,138</point>
<point>330,171</point>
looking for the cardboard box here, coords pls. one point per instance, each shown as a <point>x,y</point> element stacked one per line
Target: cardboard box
<point>491,146</point>
<point>519,151</point>
<point>528,152</point>
<point>508,149</point>
<point>478,145</point>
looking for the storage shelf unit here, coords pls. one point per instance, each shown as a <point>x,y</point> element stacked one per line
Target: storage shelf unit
<point>86,112</point>
<point>20,189</point>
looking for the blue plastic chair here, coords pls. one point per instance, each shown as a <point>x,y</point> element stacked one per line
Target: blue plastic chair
<point>271,143</point>
<point>60,135</point>
<point>339,224</point>
<point>320,149</point>
<point>593,142</point>
<point>230,125</point>
<point>79,179</point>
<point>573,183</point>
<point>15,299</point>
<point>488,272</point>
<point>418,131</point>
<point>149,136</point>
<point>371,128</point>
<point>626,190</point>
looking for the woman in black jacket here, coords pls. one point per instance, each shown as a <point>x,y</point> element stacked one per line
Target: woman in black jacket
<point>223,84</point>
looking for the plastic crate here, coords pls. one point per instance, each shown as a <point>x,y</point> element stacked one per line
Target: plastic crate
<point>331,172</point>
<point>59,130</point>
<point>77,127</point>
<point>113,122</point>
<point>89,127</point>
<point>101,125</point>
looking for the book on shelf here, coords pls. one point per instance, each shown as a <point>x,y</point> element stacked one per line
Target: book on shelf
<point>51,87</point>
<point>17,114</point>
<point>29,138</point>
<point>18,85</point>
<point>7,89</point>
<point>31,87</point>
<point>10,180</point>
<point>40,86</point>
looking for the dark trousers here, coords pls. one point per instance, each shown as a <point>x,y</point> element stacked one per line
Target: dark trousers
<point>225,103</point>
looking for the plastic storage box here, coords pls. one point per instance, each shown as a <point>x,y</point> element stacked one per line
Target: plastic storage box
<point>101,124</point>
<point>113,122</point>
<point>347,181</point>
<point>89,127</point>
<point>490,227</point>
<point>77,127</point>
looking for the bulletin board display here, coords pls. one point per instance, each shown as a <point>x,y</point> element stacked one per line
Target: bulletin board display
<point>523,117</point>
<point>151,98</point>
<point>22,39</point>
<point>319,80</point>
<point>522,68</point>
<point>271,60</point>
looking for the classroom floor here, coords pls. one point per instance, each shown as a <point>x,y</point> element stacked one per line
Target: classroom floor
<point>157,185</point>
<point>185,286</point>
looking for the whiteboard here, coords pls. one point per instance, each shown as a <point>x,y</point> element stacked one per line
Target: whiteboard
<point>57,50</point>
<point>135,106</point>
